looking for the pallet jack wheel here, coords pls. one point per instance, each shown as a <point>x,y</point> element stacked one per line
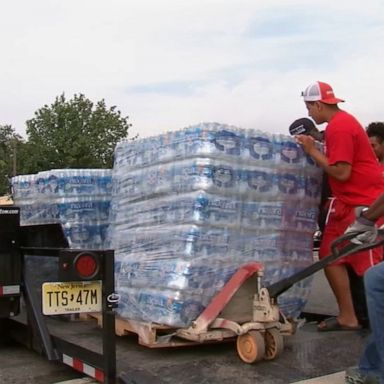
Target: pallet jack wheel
<point>251,347</point>
<point>274,343</point>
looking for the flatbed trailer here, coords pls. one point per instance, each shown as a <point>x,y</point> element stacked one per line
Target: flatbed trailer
<point>71,342</point>
<point>83,278</point>
<point>308,354</point>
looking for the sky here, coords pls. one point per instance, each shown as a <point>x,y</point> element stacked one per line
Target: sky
<point>168,64</point>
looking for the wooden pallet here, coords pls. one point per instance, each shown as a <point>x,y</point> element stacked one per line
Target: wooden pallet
<point>149,334</point>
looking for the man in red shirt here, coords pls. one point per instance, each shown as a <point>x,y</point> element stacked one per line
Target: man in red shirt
<point>355,180</point>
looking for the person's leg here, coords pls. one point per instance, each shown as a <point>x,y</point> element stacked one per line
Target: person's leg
<point>373,356</point>
<point>358,297</point>
<point>338,279</point>
<point>339,217</point>
<point>369,361</point>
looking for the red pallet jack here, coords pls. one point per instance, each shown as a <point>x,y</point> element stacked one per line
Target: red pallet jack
<point>248,311</point>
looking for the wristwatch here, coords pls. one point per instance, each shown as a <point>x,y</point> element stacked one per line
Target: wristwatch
<point>363,220</point>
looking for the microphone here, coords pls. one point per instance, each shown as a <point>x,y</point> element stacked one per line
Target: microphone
<point>302,126</point>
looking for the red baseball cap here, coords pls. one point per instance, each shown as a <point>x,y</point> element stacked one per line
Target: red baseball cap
<point>319,91</point>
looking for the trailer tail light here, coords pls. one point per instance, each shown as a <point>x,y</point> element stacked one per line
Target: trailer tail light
<point>75,265</point>
<point>79,288</point>
<point>86,265</point>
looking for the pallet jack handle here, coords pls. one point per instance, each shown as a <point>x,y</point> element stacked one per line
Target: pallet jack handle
<point>339,249</point>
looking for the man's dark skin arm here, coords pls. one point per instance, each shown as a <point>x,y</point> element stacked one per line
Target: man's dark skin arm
<point>364,227</point>
<point>376,210</point>
<point>340,171</point>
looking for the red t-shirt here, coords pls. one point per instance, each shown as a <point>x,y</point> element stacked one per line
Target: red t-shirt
<point>347,141</point>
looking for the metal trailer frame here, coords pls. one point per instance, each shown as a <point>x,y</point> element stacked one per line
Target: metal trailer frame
<point>10,262</point>
<point>259,328</point>
<point>49,241</point>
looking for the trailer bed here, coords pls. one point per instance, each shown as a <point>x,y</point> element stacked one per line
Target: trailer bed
<point>307,354</point>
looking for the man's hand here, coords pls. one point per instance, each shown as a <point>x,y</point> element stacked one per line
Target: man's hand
<point>365,230</point>
<point>307,142</point>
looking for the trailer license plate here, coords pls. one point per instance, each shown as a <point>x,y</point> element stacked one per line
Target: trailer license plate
<point>71,297</point>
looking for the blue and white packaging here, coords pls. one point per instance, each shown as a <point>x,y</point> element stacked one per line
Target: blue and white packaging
<point>183,211</point>
<point>78,199</point>
<point>190,207</point>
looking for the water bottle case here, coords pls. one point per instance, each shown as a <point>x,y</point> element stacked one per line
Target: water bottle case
<point>78,199</point>
<point>260,181</point>
<point>260,148</point>
<point>228,142</point>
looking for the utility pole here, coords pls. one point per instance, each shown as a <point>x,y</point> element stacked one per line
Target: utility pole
<point>14,160</point>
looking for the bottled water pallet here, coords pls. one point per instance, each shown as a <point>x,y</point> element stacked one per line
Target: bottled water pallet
<point>149,334</point>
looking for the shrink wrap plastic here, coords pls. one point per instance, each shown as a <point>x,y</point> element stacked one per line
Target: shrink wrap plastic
<point>190,207</point>
<point>78,199</point>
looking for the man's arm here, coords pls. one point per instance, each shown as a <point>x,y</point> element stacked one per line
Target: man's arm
<point>364,226</point>
<point>341,171</point>
<point>376,210</point>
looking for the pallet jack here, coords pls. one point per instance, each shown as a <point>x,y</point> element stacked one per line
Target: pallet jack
<point>246,310</point>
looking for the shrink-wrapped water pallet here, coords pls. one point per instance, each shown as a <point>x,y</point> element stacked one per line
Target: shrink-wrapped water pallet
<point>190,207</point>
<point>78,199</point>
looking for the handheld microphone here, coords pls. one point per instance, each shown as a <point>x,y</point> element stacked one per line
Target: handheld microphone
<point>301,126</point>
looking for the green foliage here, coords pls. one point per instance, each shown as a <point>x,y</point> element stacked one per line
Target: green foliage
<point>10,143</point>
<point>73,134</point>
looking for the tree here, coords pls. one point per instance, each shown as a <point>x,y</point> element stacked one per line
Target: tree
<point>74,134</point>
<point>10,143</point>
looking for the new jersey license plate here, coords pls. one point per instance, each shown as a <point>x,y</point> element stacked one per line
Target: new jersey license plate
<point>60,298</point>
